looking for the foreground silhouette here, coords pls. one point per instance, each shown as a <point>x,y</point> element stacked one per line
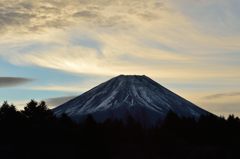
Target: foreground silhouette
<point>36,133</point>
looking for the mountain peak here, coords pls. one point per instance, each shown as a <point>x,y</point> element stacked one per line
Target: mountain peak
<point>130,77</point>
<point>135,95</point>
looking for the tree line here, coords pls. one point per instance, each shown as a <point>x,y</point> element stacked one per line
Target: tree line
<point>35,132</point>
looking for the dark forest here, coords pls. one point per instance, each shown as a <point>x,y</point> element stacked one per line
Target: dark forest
<point>35,132</point>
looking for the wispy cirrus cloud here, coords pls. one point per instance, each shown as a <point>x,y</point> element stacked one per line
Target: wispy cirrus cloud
<point>155,36</point>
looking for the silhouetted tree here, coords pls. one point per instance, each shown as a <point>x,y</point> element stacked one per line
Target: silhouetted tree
<point>172,121</point>
<point>37,112</point>
<point>90,122</point>
<point>66,120</point>
<point>7,111</point>
<point>36,133</point>
<point>9,115</point>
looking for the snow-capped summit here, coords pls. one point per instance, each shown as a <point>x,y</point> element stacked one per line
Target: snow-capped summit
<point>137,96</point>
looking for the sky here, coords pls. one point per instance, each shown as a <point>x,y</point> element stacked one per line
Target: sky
<point>54,50</point>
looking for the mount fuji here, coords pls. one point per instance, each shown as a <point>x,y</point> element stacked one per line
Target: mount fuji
<point>129,95</point>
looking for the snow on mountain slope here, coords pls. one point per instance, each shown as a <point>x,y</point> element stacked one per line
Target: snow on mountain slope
<point>138,96</point>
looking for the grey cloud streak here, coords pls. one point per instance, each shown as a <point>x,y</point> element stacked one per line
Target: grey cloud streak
<point>53,102</point>
<point>13,81</point>
<point>86,14</point>
<point>222,95</point>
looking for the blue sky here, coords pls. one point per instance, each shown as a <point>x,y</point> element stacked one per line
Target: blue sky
<point>54,50</point>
